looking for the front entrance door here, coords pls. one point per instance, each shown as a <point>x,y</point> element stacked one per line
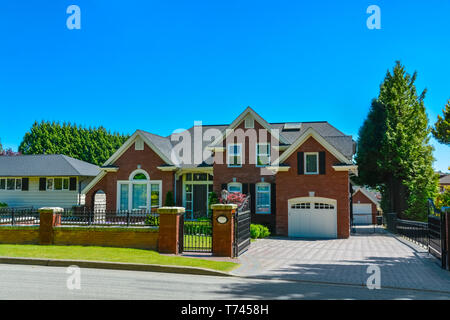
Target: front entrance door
<point>200,201</point>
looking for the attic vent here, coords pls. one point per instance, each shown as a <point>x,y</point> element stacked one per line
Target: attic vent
<point>293,126</point>
<point>249,123</point>
<point>139,144</point>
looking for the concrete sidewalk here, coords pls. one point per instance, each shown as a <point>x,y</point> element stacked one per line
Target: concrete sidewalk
<point>345,261</point>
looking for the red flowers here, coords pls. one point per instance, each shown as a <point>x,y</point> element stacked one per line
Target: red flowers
<point>234,197</point>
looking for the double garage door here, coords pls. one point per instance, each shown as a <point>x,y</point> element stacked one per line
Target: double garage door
<point>362,213</point>
<point>312,219</point>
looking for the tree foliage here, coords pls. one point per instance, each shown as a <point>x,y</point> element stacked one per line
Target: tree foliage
<point>441,130</point>
<point>94,145</point>
<point>394,154</point>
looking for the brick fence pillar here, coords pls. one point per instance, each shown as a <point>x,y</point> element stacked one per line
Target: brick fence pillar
<point>48,218</point>
<point>169,229</point>
<point>223,229</point>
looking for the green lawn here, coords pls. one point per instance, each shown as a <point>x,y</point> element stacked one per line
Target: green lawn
<point>109,254</point>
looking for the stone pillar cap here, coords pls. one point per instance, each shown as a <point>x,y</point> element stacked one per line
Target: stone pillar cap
<point>52,209</point>
<point>171,210</point>
<point>223,206</point>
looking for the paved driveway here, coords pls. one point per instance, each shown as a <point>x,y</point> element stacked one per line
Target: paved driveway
<point>402,264</point>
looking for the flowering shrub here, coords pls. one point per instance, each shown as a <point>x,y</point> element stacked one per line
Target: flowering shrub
<point>234,197</point>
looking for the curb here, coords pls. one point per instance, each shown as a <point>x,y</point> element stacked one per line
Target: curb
<point>114,266</point>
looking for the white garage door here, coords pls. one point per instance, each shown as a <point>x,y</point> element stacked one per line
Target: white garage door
<point>312,220</point>
<point>362,213</point>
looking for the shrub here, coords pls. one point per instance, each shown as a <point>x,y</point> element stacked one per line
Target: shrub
<point>258,231</point>
<point>443,199</point>
<point>152,220</point>
<point>3,205</point>
<point>169,202</point>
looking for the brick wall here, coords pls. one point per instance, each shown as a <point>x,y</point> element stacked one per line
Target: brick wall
<point>109,237</point>
<point>361,197</point>
<point>127,163</point>
<point>19,235</point>
<point>247,174</point>
<point>333,184</point>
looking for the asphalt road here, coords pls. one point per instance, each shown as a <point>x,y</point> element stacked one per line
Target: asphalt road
<point>39,282</point>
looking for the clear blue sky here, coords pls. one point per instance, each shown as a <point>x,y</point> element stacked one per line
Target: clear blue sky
<point>160,65</point>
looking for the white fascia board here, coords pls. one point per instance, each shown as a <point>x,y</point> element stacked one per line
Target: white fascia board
<point>94,182</point>
<point>313,133</point>
<point>129,142</point>
<point>240,118</point>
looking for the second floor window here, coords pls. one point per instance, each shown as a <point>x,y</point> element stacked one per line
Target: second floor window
<point>234,155</point>
<point>262,154</point>
<point>311,163</point>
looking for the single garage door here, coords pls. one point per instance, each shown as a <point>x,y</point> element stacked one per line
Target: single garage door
<point>312,220</point>
<point>362,213</point>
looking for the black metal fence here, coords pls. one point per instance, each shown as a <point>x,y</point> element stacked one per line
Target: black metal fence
<point>19,216</point>
<point>110,218</point>
<point>415,231</point>
<point>242,228</point>
<point>197,235</point>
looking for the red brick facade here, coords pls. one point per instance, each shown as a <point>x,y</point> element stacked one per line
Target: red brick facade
<point>360,197</point>
<point>285,185</point>
<point>127,163</point>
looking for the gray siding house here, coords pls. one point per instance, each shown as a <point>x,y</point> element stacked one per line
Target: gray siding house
<point>44,180</point>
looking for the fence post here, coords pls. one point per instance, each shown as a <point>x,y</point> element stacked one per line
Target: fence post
<point>48,217</point>
<point>223,229</point>
<point>446,213</point>
<point>169,229</point>
<point>128,218</point>
<point>13,219</point>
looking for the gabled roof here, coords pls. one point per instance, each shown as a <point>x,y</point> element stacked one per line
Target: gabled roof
<point>445,179</point>
<point>45,165</point>
<point>368,194</point>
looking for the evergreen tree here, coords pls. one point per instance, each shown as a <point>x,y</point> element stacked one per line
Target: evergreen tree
<point>441,130</point>
<point>394,154</point>
<point>94,145</point>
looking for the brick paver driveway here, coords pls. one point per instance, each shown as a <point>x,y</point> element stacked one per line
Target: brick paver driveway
<point>402,264</point>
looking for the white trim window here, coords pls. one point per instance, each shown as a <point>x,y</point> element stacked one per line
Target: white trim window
<point>235,187</point>
<point>139,192</point>
<point>311,163</point>
<point>263,198</point>
<point>11,184</point>
<point>234,158</point>
<point>262,154</point>
<point>58,184</point>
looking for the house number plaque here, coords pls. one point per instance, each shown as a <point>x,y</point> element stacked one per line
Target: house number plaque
<point>222,219</point>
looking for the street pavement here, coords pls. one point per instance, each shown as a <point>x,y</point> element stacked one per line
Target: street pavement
<point>41,282</point>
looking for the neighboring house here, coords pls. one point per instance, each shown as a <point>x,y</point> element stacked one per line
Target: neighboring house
<point>444,182</point>
<point>366,206</point>
<point>44,180</point>
<point>306,195</point>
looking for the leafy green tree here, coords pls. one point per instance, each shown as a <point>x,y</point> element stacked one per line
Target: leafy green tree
<point>441,130</point>
<point>394,154</point>
<point>169,202</point>
<point>94,145</point>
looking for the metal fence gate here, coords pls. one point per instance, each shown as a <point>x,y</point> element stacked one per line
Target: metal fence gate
<point>436,238</point>
<point>196,235</point>
<point>242,228</point>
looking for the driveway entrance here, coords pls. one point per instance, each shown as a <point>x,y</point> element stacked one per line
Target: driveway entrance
<point>345,261</point>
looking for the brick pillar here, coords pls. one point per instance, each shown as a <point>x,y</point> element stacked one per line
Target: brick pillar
<point>223,229</point>
<point>48,217</point>
<point>169,229</point>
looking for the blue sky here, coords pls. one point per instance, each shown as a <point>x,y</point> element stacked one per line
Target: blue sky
<point>160,65</point>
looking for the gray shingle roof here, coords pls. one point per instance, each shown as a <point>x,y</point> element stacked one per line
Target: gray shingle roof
<point>343,143</point>
<point>45,165</point>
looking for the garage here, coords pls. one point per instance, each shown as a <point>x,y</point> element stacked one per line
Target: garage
<point>312,218</point>
<point>362,213</point>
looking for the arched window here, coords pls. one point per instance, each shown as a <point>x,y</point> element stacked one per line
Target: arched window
<point>235,187</point>
<point>139,192</point>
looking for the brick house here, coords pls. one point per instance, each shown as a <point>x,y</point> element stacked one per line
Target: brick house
<point>297,173</point>
<point>366,206</point>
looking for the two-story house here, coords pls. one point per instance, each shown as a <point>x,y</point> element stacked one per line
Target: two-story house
<point>297,173</point>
